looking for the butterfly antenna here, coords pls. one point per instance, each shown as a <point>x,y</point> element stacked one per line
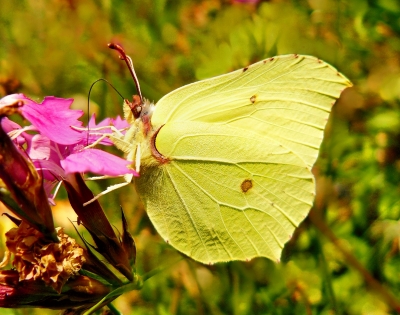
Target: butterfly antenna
<point>88,103</point>
<point>129,63</point>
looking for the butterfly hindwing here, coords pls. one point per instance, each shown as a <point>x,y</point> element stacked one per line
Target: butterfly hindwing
<point>220,197</point>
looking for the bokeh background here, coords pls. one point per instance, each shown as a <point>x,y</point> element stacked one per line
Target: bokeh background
<point>344,258</point>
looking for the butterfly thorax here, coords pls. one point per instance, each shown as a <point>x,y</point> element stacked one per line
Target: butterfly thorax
<point>137,141</point>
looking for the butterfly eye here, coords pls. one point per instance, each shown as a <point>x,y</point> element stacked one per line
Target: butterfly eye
<point>135,106</point>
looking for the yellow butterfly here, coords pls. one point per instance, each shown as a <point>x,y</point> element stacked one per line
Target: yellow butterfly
<point>225,163</point>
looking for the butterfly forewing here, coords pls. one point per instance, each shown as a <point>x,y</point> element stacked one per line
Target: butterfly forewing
<point>285,97</point>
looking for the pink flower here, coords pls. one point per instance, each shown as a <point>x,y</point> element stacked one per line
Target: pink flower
<point>50,269</point>
<point>52,118</point>
<point>95,161</point>
<point>58,147</point>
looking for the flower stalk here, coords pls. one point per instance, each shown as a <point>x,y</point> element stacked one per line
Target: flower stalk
<point>94,220</point>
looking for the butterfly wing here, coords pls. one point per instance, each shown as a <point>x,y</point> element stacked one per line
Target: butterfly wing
<point>239,149</point>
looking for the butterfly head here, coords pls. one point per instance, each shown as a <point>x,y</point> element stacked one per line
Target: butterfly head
<point>140,108</point>
<point>136,106</point>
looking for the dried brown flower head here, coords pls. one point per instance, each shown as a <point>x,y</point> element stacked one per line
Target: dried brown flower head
<point>35,259</point>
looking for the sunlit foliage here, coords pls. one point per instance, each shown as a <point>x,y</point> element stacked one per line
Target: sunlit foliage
<point>344,259</point>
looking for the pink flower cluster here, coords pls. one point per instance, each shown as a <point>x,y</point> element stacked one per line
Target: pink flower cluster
<point>56,142</point>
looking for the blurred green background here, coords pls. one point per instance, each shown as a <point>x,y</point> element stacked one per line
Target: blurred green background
<point>344,258</point>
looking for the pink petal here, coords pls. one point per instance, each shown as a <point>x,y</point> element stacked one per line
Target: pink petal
<point>46,155</point>
<point>11,99</point>
<point>8,125</point>
<point>39,148</point>
<point>49,170</point>
<point>98,162</point>
<point>53,118</point>
<point>118,123</point>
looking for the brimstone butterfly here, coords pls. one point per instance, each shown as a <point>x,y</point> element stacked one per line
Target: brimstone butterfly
<point>225,163</point>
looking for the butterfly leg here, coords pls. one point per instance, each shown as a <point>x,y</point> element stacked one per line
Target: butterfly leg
<point>109,189</point>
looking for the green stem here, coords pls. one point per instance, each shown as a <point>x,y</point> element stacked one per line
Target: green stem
<point>113,309</point>
<point>327,276</point>
<point>136,285</point>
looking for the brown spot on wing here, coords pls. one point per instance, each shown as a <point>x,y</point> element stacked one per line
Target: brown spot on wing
<point>246,185</point>
<point>253,99</point>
